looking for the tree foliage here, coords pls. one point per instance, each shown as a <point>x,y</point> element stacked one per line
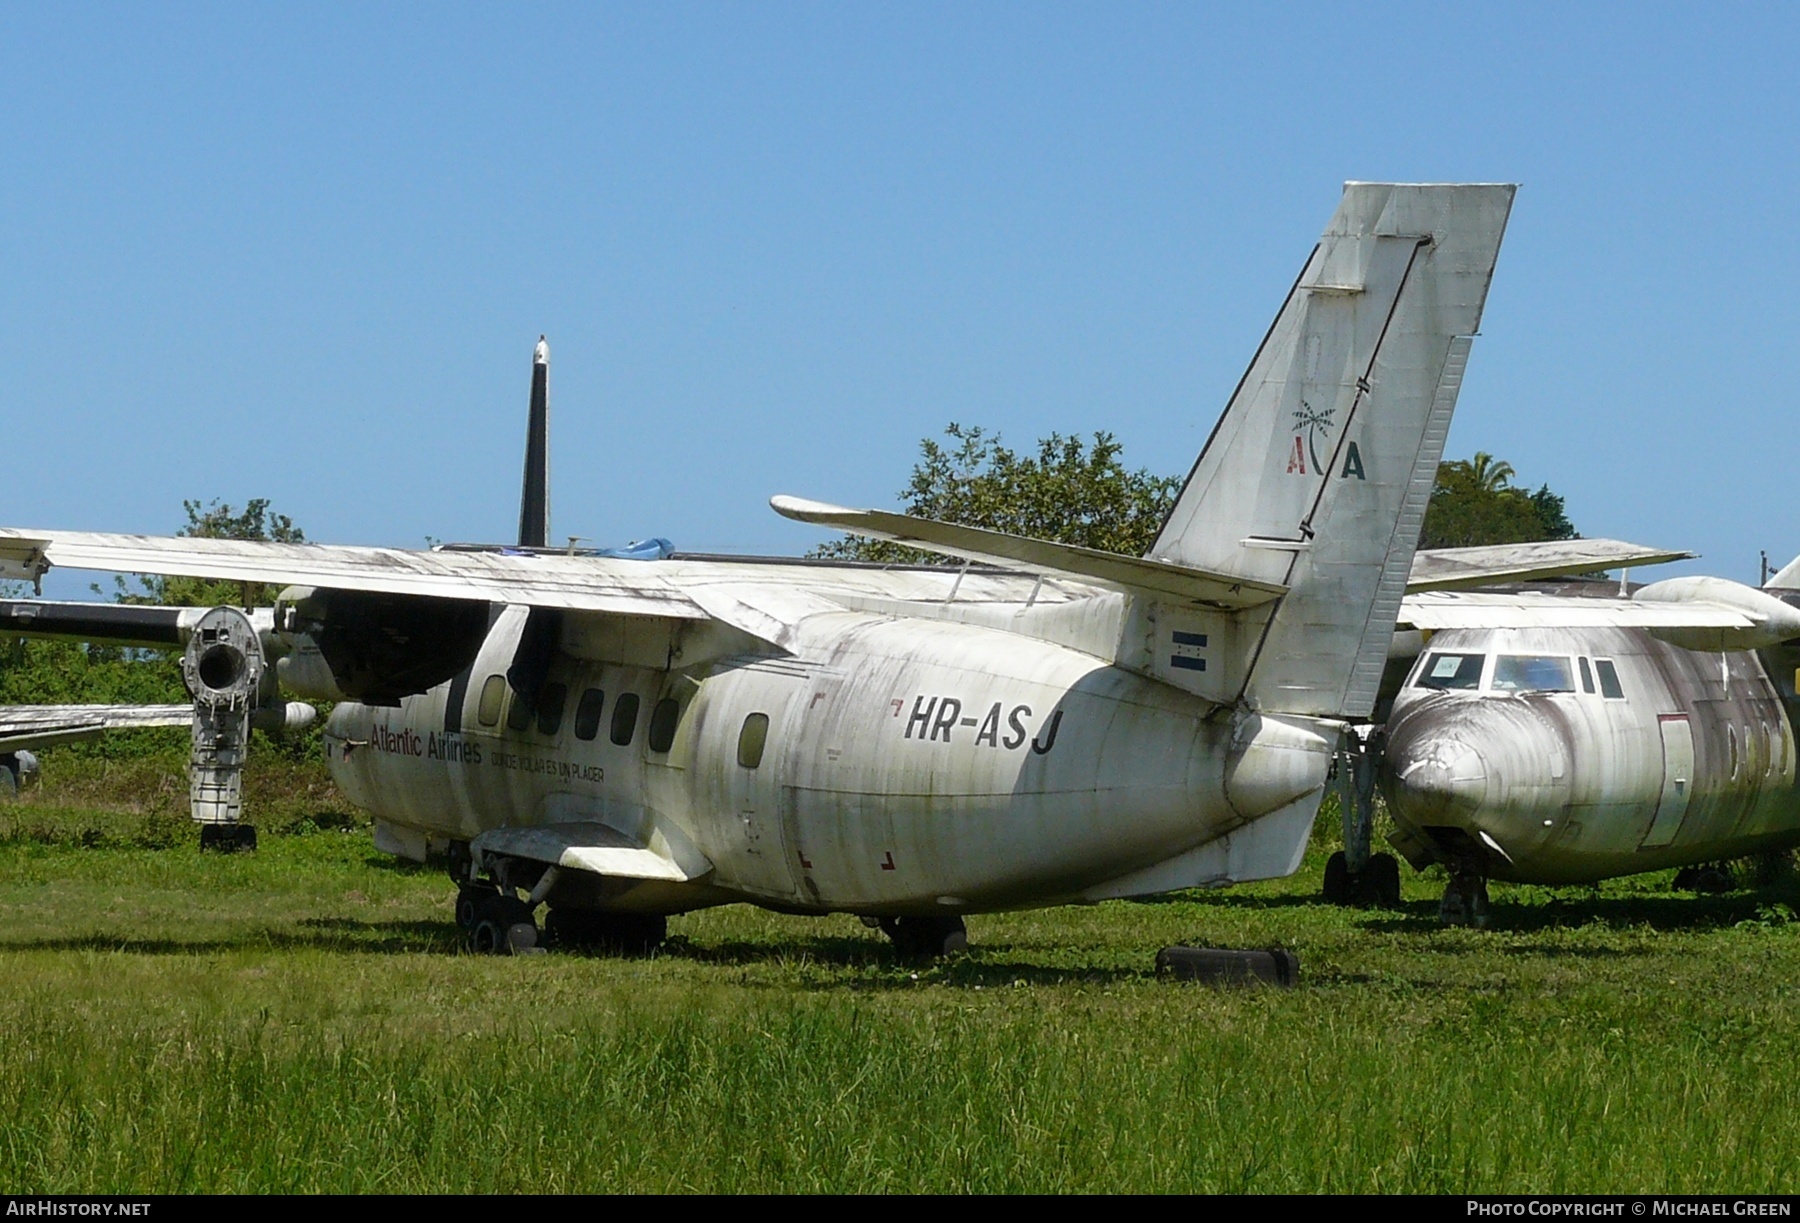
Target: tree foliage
<point>1474,503</point>
<point>218,520</point>
<point>1069,491</point>
<point>1073,492</point>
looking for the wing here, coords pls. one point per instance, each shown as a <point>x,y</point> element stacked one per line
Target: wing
<point>1436,610</point>
<point>33,726</point>
<point>575,583</point>
<point>1462,568</point>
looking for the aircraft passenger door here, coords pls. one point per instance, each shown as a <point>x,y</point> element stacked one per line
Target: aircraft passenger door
<point>814,748</point>
<point>746,737</point>
<point>1677,781</point>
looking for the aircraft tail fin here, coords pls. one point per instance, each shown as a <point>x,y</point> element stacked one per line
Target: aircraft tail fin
<point>1785,578</point>
<point>1317,476</point>
<point>534,496</point>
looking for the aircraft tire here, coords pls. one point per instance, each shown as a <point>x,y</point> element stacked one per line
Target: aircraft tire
<point>503,926</point>
<point>1381,881</point>
<point>1340,888</point>
<point>926,937</point>
<point>468,903</point>
<point>1709,879</point>
<point>628,934</point>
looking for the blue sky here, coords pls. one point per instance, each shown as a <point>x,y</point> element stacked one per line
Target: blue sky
<point>303,253</point>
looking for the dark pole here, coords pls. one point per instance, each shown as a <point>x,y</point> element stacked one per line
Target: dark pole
<point>534,502</point>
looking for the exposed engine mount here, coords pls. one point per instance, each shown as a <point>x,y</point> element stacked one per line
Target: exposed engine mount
<point>223,668</point>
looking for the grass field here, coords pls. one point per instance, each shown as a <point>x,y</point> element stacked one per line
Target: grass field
<point>302,1019</point>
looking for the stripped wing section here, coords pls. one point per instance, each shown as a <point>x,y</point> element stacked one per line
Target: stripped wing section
<point>29,727</point>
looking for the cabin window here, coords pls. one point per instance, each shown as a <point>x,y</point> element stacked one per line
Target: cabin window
<point>752,738</point>
<point>1768,746</point>
<point>519,716</point>
<point>587,714</point>
<point>1532,673</point>
<point>550,708</point>
<point>624,723</point>
<point>1731,741</point>
<point>1609,680</point>
<point>662,724</point>
<point>493,696</point>
<point>1451,671</point>
<point>1587,677</point>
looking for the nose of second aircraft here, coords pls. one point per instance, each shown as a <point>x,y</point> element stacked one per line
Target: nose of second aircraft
<point>1436,780</point>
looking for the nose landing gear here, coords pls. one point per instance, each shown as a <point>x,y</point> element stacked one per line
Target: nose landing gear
<point>1465,901</point>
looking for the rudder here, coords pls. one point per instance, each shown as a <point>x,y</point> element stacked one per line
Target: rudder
<point>1318,474</point>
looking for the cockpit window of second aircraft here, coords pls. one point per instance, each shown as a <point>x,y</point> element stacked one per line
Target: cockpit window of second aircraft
<point>1451,671</point>
<point>1533,673</point>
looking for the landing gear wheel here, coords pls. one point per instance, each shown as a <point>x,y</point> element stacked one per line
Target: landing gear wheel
<point>468,902</point>
<point>1377,884</point>
<point>1340,888</point>
<point>926,937</point>
<point>227,838</point>
<point>628,934</point>
<point>1710,878</point>
<point>1381,881</point>
<point>503,926</point>
<point>1465,902</point>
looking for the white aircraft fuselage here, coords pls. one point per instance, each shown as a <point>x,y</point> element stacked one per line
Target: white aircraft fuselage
<point>904,764</point>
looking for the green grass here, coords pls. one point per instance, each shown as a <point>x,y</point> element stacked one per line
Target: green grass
<point>302,1019</point>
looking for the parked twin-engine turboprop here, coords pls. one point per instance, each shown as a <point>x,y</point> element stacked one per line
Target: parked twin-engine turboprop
<point>1558,737</point>
<point>626,739</point>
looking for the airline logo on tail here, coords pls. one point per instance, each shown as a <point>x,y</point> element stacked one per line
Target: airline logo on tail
<point>1309,424</point>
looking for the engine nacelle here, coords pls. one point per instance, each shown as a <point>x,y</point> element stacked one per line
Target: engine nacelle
<point>1772,621</point>
<point>375,648</point>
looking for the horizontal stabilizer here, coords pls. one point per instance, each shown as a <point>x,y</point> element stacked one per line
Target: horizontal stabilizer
<point>1464,568</point>
<point>1036,555</point>
<point>595,847</point>
<point>24,727</point>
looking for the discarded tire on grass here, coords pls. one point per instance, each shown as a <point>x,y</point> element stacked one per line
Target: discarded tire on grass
<point>1228,966</point>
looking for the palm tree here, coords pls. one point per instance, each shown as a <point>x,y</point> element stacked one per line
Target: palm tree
<point>1490,476</point>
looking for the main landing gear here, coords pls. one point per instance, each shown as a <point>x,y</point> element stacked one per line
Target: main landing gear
<point>923,938</point>
<point>1353,875</point>
<point>498,920</point>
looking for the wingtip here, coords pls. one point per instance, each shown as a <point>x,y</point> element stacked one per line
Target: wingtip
<point>802,510</point>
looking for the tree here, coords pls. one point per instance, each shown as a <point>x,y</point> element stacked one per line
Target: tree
<point>1474,503</point>
<point>1077,493</point>
<point>219,520</point>
<point>1069,491</point>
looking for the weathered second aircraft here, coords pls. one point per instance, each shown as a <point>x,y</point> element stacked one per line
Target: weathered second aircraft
<point>1562,736</point>
<point>624,739</point>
